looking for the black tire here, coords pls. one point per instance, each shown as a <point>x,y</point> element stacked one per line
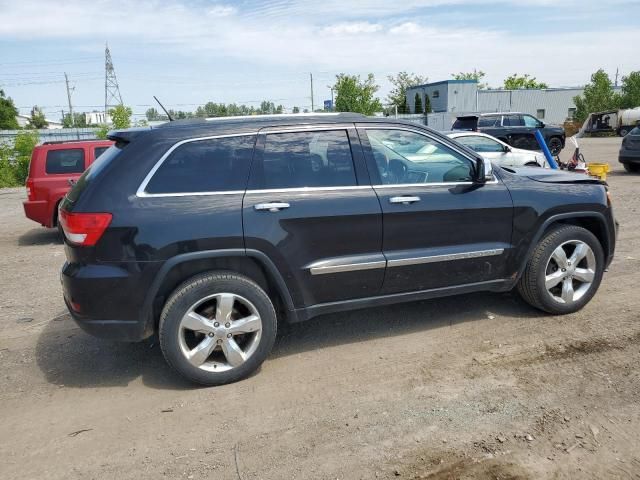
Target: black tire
<point>623,131</point>
<point>190,293</point>
<point>631,167</point>
<point>532,164</point>
<point>531,285</point>
<point>555,146</point>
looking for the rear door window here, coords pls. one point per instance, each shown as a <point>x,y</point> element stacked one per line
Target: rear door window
<point>305,159</point>
<point>480,144</point>
<point>212,165</point>
<point>65,161</point>
<point>487,121</point>
<point>512,121</point>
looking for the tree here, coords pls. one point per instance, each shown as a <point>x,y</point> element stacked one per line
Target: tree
<point>519,82</point>
<point>79,120</point>
<point>398,95</point>
<point>296,110</point>
<point>101,133</point>
<point>8,113</point>
<point>37,119</point>
<point>23,146</point>
<point>153,115</point>
<point>427,104</point>
<point>121,117</point>
<point>356,95</point>
<point>476,75</point>
<point>630,96</point>
<point>417,102</point>
<point>598,96</point>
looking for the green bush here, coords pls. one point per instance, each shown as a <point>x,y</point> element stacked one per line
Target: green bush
<point>14,160</point>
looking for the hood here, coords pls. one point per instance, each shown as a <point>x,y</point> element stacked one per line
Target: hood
<point>546,175</point>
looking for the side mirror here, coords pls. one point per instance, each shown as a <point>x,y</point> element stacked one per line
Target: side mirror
<point>484,169</point>
<point>540,124</point>
<point>506,149</point>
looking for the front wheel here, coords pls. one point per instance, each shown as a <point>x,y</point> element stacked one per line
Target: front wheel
<point>564,271</point>
<point>631,168</point>
<point>555,146</point>
<point>217,328</point>
<point>623,131</point>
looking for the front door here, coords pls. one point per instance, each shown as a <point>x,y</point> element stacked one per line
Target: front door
<point>311,208</point>
<point>441,228</point>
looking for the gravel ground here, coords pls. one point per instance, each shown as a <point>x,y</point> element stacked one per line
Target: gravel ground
<point>475,386</point>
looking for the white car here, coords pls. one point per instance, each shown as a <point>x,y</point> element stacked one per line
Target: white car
<point>499,153</point>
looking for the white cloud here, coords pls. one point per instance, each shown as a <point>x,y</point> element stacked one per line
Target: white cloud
<point>221,11</point>
<point>302,35</point>
<point>352,28</point>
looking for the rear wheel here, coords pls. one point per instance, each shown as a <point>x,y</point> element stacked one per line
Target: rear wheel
<point>564,271</point>
<point>555,146</point>
<point>631,167</point>
<point>623,131</point>
<point>217,328</point>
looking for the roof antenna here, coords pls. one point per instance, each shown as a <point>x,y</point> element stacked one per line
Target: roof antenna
<point>165,110</point>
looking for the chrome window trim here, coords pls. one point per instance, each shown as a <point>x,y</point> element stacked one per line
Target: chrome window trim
<point>310,189</point>
<point>403,262</point>
<point>141,192</point>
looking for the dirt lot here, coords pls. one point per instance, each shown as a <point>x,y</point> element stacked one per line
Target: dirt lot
<point>476,386</point>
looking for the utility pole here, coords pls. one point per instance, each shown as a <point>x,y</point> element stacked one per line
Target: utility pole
<point>330,87</point>
<point>616,82</point>
<point>312,106</point>
<point>66,79</point>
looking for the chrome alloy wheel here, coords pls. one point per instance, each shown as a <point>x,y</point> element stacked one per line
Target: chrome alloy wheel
<point>220,332</point>
<point>570,271</point>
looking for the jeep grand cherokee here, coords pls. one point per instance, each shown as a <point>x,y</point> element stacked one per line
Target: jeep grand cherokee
<point>210,233</point>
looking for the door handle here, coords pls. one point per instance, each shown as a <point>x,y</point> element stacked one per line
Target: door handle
<point>272,206</point>
<point>404,199</point>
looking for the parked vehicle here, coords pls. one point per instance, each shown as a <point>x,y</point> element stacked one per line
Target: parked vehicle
<point>54,167</point>
<point>212,232</point>
<point>620,122</point>
<point>515,129</point>
<point>497,151</point>
<point>630,151</point>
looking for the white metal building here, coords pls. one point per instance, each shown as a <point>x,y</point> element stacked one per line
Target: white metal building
<point>452,97</point>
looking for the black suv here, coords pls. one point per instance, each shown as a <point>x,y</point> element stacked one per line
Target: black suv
<point>211,232</point>
<point>516,129</point>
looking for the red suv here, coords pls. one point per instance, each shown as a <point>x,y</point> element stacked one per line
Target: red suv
<point>54,167</point>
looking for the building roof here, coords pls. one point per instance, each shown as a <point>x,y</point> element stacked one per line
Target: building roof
<point>442,82</point>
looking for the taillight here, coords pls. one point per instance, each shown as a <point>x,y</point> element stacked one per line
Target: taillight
<point>30,192</point>
<point>83,229</point>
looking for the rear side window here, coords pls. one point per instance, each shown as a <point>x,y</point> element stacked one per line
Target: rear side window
<point>65,161</point>
<point>99,151</point>
<point>93,171</point>
<point>213,165</point>
<point>465,123</point>
<point>306,159</point>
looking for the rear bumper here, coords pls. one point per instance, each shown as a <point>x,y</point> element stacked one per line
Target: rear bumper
<point>105,301</point>
<point>38,211</point>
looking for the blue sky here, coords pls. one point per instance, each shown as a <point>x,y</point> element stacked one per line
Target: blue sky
<point>191,52</point>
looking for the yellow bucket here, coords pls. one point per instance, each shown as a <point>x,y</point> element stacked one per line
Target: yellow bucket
<point>598,170</point>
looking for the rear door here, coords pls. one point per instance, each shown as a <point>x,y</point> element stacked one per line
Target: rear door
<point>440,228</point>
<point>310,207</point>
